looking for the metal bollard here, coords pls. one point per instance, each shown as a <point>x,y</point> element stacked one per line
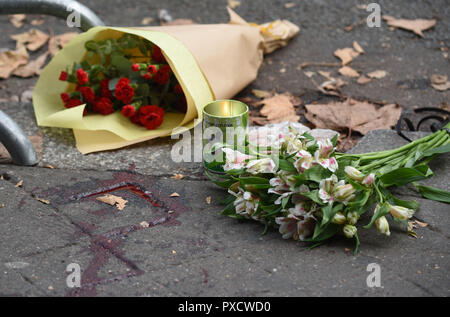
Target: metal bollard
<point>16,142</point>
<point>56,8</point>
<point>11,135</point>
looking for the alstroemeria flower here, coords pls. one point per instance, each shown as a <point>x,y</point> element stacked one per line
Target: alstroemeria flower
<point>293,143</point>
<point>234,159</point>
<point>298,224</point>
<point>265,165</point>
<point>246,203</point>
<point>368,180</point>
<point>265,139</point>
<point>304,161</point>
<point>284,181</point>
<point>322,155</point>
<point>327,187</point>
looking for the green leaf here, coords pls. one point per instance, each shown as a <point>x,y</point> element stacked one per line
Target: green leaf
<point>323,233</point>
<point>382,211</point>
<point>328,213</point>
<point>229,210</point>
<point>405,175</point>
<point>317,173</point>
<point>438,150</point>
<point>314,196</point>
<point>253,180</point>
<point>405,203</point>
<point>434,193</point>
<point>284,202</point>
<point>334,140</point>
<point>122,64</point>
<point>286,165</point>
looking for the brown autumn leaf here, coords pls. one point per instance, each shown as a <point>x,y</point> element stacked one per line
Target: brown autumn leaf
<point>37,22</point>
<point>362,80</point>
<point>33,67</point>
<point>439,82</point>
<point>175,195</point>
<point>377,74</point>
<point>11,60</point>
<point>32,39</point>
<point>59,41</point>
<point>421,224</point>
<point>112,200</point>
<point>261,93</point>
<point>147,20</point>
<point>208,200</point>
<point>346,55</point>
<point>17,19</point>
<point>19,183</point>
<point>358,48</point>
<point>233,3</point>
<point>348,71</point>
<point>358,116</point>
<point>279,108</point>
<point>417,26</point>
<point>44,201</point>
<point>178,176</point>
<point>289,5</point>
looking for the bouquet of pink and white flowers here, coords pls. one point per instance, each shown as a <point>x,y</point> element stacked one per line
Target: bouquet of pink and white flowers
<point>300,185</point>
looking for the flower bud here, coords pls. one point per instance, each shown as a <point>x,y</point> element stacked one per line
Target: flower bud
<point>339,218</point>
<point>400,212</point>
<point>383,225</point>
<point>352,217</point>
<point>349,231</point>
<point>368,180</point>
<point>265,165</point>
<point>353,173</point>
<point>343,192</point>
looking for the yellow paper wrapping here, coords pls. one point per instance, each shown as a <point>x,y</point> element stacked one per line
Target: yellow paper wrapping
<point>209,61</point>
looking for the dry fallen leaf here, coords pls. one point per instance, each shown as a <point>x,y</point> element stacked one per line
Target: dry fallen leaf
<point>17,19</point>
<point>421,224</point>
<point>44,201</point>
<point>377,74</point>
<point>417,26</point>
<point>233,3</point>
<point>37,22</point>
<point>289,5</point>
<point>19,184</point>
<point>327,75</point>
<point>279,108</point>
<point>112,200</point>
<point>439,82</point>
<point>363,80</point>
<point>59,41</point>
<point>348,71</point>
<point>346,55</point>
<point>309,74</point>
<point>11,60</point>
<point>358,116</point>
<point>208,200</point>
<point>261,93</point>
<point>33,39</point>
<point>147,20</point>
<point>144,224</point>
<point>49,166</point>
<point>1,205</point>
<point>33,67</point>
<point>357,47</point>
<point>175,195</point>
<point>178,176</point>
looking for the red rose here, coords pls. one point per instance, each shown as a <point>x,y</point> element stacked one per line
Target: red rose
<point>135,118</point>
<point>124,92</point>
<point>147,76</point>
<point>151,116</point>
<point>135,67</point>
<point>128,111</point>
<point>104,88</point>
<point>63,76</point>
<point>82,77</point>
<point>65,97</point>
<point>88,94</point>
<point>152,69</point>
<point>104,106</point>
<point>162,77</point>
<point>177,89</point>
<point>73,103</point>
<point>157,55</point>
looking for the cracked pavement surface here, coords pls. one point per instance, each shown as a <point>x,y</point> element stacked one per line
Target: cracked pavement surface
<point>189,249</point>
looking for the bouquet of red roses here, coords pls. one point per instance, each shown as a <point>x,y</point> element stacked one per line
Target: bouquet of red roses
<point>128,74</point>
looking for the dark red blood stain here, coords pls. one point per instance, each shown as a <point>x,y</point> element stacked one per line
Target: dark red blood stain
<point>109,244</point>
